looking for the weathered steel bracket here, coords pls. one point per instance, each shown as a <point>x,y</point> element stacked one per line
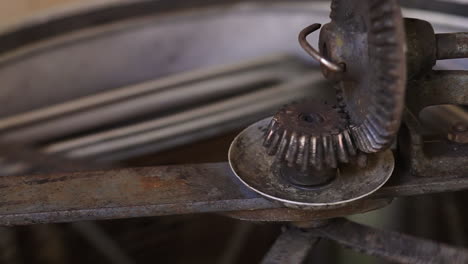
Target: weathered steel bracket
<point>436,88</point>
<point>432,158</point>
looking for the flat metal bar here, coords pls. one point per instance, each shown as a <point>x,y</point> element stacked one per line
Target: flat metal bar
<point>389,245</point>
<point>124,193</point>
<point>35,162</point>
<point>164,190</point>
<point>292,246</point>
<point>404,184</point>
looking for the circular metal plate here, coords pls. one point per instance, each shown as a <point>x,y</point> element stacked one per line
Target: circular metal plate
<point>251,164</point>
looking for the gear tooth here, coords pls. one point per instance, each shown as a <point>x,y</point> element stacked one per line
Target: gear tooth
<point>382,25</point>
<point>371,138</point>
<point>291,152</point>
<point>378,139</point>
<point>351,148</point>
<point>273,147</point>
<point>382,10</point>
<point>303,155</point>
<point>283,145</point>
<point>364,139</point>
<point>357,136</point>
<point>341,148</point>
<point>272,131</point>
<point>330,155</point>
<point>316,152</point>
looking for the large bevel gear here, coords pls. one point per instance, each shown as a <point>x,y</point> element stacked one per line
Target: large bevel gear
<point>310,135</point>
<point>367,36</point>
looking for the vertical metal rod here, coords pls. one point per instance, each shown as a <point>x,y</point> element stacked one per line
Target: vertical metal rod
<point>102,242</point>
<point>292,246</point>
<point>236,243</point>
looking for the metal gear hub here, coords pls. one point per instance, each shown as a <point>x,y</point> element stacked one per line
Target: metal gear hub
<point>261,173</point>
<point>310,135</point>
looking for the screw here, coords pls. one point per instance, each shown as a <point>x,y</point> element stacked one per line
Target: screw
<point>459,127</point>
<point>458,133</point>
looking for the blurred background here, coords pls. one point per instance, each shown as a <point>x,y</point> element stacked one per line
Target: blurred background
<point>141,83</point>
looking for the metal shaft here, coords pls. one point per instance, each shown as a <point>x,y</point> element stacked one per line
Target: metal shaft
<point>292,246</point>
<point>452,45</point>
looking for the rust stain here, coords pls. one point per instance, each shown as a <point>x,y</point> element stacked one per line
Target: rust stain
<point>156,183</point>
<point>47,180</point>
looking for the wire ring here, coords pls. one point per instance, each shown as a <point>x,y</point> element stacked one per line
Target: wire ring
<point>313,52</point>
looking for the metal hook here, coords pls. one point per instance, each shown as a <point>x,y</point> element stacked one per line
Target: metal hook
<point>314,53</point>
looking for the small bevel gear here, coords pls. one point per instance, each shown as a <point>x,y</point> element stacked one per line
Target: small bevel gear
<point>310,135</point>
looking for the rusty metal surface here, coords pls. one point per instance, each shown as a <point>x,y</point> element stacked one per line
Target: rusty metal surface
<point>424,47</point>
<point>36,162</point>
<point>152,191</point>
<point>202,188</point>
<point>421,47</point>
<point>390,245</point>
<point>292,246</point>
<point>437,87</point>
<point>124,193</point>
<point>296,215</point>
<point>446,120</point>
<point>140,192</point>
<point>430,157</point>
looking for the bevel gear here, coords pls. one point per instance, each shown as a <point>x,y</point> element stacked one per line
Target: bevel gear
<point>371,88</point>
<point>310,135</point>
<point>362,49</point>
